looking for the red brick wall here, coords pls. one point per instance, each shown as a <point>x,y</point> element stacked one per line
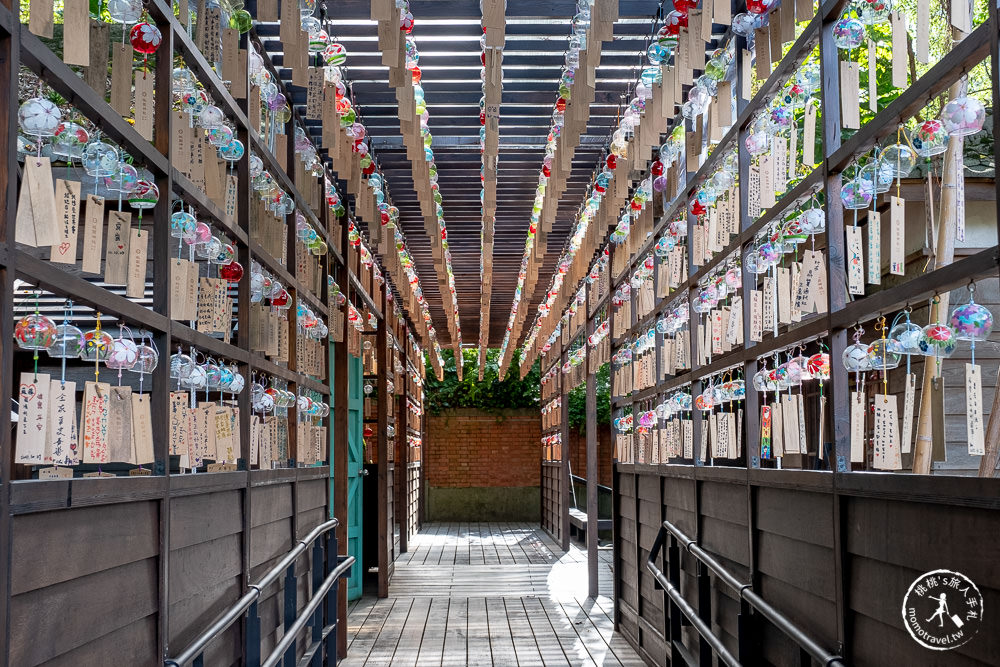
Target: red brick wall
<point>468,448</point>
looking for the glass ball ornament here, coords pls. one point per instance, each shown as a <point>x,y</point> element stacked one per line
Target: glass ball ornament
<point>881,356</point>
<point>97,346</point>
<point>873,12</point>
<point>67,342</point>
<point>213,374</point>
<point>125,180</point>
<point>183,80</point>
<point>938,340</point>
<point>763,382</point>
<point>856,358</point>
<point>963,116</point>
<point>818,366</point>
<point>241,20</point>
<point>232,272</point>
<point>181,366</point>
<point>125,11</point>
<point>220,136</point>
<point>848,33</point>
<point>69,140</point>
<point>147,359</point>
<point>144,195</point>
<point>196,379</point>
<point>704,401</point>
<point>34,332</point>
<point>812,221</point>
<point>145,37</point>
<point>930,138</point>
<point>237,384</point>
<point>124,353</point>
<point>898,159</point>
<point>39,117</point>
<point>182,225</point>
<point>744,24</point>
<point>856,194</point>
<point>318,40</point>
<point>209,250</point>
<point>232,151</point>
<point>226,255</point>
<point>971,321</point>
<point>335,55</point>
<point>904,338</point>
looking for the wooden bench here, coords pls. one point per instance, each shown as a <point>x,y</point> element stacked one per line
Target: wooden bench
<point>578,524</point>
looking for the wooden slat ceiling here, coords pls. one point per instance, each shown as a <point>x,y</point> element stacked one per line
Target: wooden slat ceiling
<point>447,34</point>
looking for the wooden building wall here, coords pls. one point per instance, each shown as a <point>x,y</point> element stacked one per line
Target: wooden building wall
<point>97,575</point>
<point>825,550</point>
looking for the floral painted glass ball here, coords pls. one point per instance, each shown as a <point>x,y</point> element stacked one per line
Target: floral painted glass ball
<point>744,24</point>
<point>226,255</point>
<point>938,340</point>
<point>848,33</point>
<point>812,221</point>
<point>145,37</point>
<point>818,366</point>
<point>124,353</point>
<point>34,332</point>
<point>211,117</point>
<point>182,225</point>
<point>67,343</point>
<point>144,196</point>
<point>856,194</point>
<point>703,401</point>
<point>220,136</point>
<point>97,345</point>
<point>69,140</point>
<point>181,366</point>
<point>196,379</point>
<point>904,338</point>
<point>125,180</point>
<point>39,117</point>
<point>147,359</point>
<point>202,234</point>
<point>856,358</point>
<point>125,11</point>
<point>210,249</point>
<point>873,12</point>
<point>963,116</point>
<point>971,321</point>
<point>881,357</point>
<point>930,138</point>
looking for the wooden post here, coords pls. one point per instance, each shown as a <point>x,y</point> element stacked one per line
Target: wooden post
<point>944,254</point>
<point>592,467</point>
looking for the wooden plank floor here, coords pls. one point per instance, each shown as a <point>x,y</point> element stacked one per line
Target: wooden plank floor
<point>501,594</point>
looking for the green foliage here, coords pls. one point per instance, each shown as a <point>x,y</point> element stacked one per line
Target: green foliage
<point>578,400</point>
<point>490,395</point>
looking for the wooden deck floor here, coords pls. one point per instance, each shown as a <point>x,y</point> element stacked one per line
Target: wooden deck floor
<point>488,594</point>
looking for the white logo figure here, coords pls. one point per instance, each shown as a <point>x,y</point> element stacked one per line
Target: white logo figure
<point>928,594</point>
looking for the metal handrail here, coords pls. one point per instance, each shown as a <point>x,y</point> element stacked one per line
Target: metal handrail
<point>746,593</point>
<point>304,615</point>
<point>241,606</point>
<point>600,487</point>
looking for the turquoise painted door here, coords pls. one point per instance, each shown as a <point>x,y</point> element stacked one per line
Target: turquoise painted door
<point>355,466</point>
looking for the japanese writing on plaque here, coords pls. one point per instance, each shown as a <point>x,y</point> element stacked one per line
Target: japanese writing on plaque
<point>33,413</point>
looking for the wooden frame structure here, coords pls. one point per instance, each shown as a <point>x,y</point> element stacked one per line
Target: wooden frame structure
<point>240,519</point>
<point>777,528</point>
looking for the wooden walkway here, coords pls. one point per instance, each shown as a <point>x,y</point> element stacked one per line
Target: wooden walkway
<point>488,594</point>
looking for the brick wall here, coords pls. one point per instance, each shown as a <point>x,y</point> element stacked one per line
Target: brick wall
<point>469,448</point>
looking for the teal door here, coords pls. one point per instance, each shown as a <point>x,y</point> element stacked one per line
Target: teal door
<point>355,466</point>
